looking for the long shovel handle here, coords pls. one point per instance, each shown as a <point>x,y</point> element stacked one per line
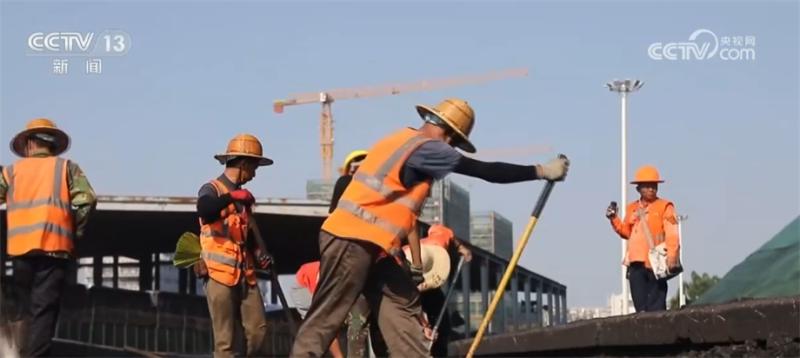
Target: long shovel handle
<point>273,272</point>
<point>511,266</point>
<point>447,299</point>
<point>449,293</point>
<point>277,287</point>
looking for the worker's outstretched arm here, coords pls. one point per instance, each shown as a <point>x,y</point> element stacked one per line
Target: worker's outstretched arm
<point>435,159</point>
<point>496,172</point>
<point>500,172</point>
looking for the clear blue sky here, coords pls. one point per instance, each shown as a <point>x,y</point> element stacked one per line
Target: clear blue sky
<point>723,133</point>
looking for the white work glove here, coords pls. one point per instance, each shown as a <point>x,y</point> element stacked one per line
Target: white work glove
<point>554,170</point>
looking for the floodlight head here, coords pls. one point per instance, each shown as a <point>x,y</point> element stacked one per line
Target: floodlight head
<point>627,85</point>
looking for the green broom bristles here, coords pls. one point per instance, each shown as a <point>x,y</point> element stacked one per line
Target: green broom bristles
<point>187,251</point>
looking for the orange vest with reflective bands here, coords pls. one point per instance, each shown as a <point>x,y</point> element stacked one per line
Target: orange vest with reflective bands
<point>376,207</point>
<point>38,206</point>
<point>222,244</point>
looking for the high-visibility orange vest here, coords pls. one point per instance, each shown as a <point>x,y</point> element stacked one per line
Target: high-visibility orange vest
<point>38,206</point>
<point>376,207</point>
<point>639,247</point>
<point>222,243</point>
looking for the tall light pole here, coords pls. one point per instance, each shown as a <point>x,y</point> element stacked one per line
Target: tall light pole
<point>681,293</point>
<point>623,87</point>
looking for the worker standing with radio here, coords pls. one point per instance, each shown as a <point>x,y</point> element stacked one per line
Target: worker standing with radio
<point>651,228</point>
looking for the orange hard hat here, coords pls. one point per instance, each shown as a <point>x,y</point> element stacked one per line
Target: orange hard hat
<point>244,145</point>
<point>44,129</point>
<point>440,232</point>
<point>647,174</point>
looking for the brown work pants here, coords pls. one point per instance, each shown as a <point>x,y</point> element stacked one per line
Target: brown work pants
<point>348,267</point>
<point>237,305</point>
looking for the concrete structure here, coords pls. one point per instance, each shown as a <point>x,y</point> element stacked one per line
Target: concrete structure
<point>128,245</point>
<point>492,232</point>
<point>753,328</point>
<point>127,273</point>
<point>319,189</point>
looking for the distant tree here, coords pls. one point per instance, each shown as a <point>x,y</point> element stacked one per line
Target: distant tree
<point>696,287</point>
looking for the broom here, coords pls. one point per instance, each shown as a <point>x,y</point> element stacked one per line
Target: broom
<point>187,251</point>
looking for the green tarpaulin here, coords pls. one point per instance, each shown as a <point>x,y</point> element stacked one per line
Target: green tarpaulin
<point>771,271</point>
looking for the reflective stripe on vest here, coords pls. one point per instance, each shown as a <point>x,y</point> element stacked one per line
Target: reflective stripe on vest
<point>376,182</point>
<point>376,207</point>
<point>39,213</point>
<point>222,246</point>
<point>222,259</point>
<point>46,227</point>
<point>372,219</point>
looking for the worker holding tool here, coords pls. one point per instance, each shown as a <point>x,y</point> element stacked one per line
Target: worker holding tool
<point>433,300</point>
<point>377,210</point>
<point>648,222</point>
<point>228,257</point>
<point>49,201</point>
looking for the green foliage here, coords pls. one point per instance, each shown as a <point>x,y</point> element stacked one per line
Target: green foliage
<point>694,288</point>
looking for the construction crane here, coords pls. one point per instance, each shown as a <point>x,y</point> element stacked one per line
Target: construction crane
<point>326,98</point>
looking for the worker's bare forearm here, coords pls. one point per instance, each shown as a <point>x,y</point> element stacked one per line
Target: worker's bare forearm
<point>413,244</point>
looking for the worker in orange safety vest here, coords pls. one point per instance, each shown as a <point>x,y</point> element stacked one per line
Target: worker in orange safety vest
<point>228,257</point>
<point>648,292</point>
<point>377,210</point>
<point>48,200</point>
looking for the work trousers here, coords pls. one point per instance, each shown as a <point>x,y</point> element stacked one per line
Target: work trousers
<point>648,293</point>
<point>236,305</point>
<point>348,267</point>
<point>39,282</point>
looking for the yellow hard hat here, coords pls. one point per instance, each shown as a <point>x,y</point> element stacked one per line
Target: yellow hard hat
<point>458,115</point>
<point>44,129</point>
<point>647,174</point>
<point>354,155</point>
<point>244,145</point>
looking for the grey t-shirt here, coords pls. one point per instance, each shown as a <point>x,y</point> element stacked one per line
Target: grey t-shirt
<point>432,160</point>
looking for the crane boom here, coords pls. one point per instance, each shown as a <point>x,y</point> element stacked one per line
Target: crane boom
<point>326,98</point>
<point>339,94</point>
